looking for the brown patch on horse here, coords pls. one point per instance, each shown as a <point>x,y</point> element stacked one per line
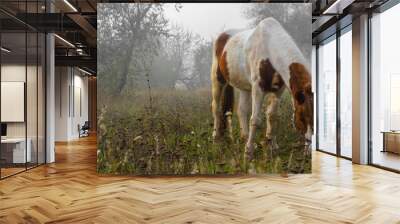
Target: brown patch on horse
<point>277,82</point>
<point>220,77</point>
<point>270,80</point>
<point>299,77</point>
<point>223,66</point>
<point>222,70</point>
<point>220,43</point>
<point>300,86</point>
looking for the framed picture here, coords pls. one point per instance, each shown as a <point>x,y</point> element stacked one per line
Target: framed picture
<point>196,88</point>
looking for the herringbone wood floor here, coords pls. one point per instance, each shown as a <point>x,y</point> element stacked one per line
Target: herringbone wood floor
<point>70,191</point>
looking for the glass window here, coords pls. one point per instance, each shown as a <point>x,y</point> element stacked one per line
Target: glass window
<point>313,76</point>
<point>346,94</point>
<point>14,151</point>
<point>22,92</point>
<point>327,96</point>
<point>385,89</point>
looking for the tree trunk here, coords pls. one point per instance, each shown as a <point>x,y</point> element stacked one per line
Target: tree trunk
<point>125,70</point>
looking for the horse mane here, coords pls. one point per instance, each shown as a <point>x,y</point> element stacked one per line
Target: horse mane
<point>275,38</point>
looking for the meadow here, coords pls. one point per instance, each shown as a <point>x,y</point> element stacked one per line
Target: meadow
<point>171,134</point>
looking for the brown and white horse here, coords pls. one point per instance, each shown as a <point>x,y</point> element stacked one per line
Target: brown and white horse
<point>257,62</point>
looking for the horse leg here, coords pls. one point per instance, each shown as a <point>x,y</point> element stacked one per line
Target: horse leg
<point>227,108</point>
<point>271,120</point>
<point>271,115</point>
<point>257,96</point>
<point>216,109</point>
<point>243,111</point>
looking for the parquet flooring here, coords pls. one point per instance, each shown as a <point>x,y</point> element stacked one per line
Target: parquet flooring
<point>70,191</point>
<point>11,170</point>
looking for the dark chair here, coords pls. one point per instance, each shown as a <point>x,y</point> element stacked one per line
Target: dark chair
<point>84,130</point>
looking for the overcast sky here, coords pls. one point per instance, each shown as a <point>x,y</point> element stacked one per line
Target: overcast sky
<point>207,20</point>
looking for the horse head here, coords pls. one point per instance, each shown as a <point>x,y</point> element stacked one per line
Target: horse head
<point>300,85</point>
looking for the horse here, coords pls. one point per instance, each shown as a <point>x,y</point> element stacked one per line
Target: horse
<point>258,62</point>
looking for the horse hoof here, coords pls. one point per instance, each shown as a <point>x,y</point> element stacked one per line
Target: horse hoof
<point>216,136</point>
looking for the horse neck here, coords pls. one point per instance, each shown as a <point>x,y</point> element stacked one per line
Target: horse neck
<point>279,46</point>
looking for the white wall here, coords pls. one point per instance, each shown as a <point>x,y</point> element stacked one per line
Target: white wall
<point>80,109</point>
<point>70,84</point>
<point>62,82</point>
<point>33,127</point>
<point>16,73</point>
<point>10,73</point>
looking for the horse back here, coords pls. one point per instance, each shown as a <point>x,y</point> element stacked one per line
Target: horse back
<point>221,55</point>
<point>230,55</point>
<point>239,52</point>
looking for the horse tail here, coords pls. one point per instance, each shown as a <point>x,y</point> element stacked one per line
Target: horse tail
<point>223,93</point>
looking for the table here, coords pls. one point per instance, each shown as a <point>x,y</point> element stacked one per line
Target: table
<point>13,150</point>
<point>391,141</point>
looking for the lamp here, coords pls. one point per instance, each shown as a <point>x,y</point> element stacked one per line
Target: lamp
<point>64,40</point>
<point>5,50</point>
<point>70,5</point>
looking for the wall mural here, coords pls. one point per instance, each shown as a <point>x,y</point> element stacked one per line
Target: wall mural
<point>190,89</point>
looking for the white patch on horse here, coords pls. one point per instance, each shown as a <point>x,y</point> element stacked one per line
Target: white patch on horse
<point>239,75</point>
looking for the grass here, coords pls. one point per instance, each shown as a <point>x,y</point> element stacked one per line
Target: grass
<point>173,136</point>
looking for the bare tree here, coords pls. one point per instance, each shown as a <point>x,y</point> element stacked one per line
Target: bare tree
<point>179,47</point>
<point>202,57</point>
<point>128,32</point>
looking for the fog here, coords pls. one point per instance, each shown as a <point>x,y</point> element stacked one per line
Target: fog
<point>208,19</point>
<point>152,45</point>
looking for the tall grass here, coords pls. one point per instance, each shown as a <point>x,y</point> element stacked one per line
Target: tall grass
<point>174,136</point>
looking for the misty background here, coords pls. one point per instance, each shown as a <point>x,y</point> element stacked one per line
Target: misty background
<point>155,45</point>
<point>154,90</point>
